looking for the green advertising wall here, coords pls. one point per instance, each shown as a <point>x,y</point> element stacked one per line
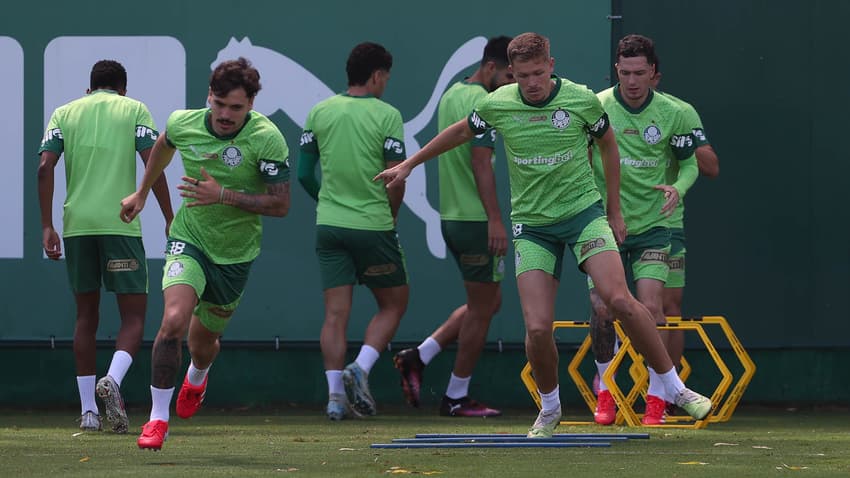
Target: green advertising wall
<point>300,49</point>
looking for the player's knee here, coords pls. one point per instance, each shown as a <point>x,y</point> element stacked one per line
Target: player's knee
<point>620,304</point>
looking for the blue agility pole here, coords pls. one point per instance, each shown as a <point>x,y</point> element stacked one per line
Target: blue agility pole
<point>524,444</point>
<point>630,436</point>
<point>503,439</point>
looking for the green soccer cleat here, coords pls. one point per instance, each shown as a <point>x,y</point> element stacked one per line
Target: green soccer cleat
<point>544,426</point>
<point>693,403</point>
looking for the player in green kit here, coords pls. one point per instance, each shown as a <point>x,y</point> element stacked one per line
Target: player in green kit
<point>651,134</point>
<point>354,136</point>
<point>709,166</point>
<point>236,170</point>
<point>474,232</point>
<point>99,135</point>
<point>544,120</point>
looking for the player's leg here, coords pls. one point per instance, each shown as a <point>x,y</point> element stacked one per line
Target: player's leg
<point>183,282</point>
<point>603,340</point>
<point>126,274</point>
<point>674,290</point>
<point>380,267</point>
<point>649,293</point>
<point>84,268</point>
<point>338,275</point>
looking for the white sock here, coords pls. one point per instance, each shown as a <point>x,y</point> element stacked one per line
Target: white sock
<point>428,349</point>
<point>334,378</point>
<point>552,400</point>
<point>121,362</point>
<point>600,369</point>
<point>458,387</point>
<point>672,383</point>
<point>85,385</point>
<point>367,357</point>
<point>196,375</point>
<point>656,385</point>
<point>161,398</point>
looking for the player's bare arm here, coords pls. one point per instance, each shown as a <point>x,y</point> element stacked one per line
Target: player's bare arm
<point>395,194</point>
<point>611,167</point>
<point>50,238</point>
<point>485,182</point>
<point>160,156</point>
<point>206,190</point>
<point>160,192</point>
<point>449,138</point>
<point>709,165</point>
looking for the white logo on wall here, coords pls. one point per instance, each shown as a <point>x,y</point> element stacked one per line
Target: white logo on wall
<point>67,65</point>
<point>12,138</point>
<point>282,76</point>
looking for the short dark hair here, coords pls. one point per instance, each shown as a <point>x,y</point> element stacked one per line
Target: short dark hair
<point>365,59</point>
<point>636,45</point>
<point>528,46</point>
<point>233,74</point>
<point>108,74</point>
<point>497,51</point>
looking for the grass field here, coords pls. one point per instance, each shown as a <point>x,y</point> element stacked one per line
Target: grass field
<point>301,442</point>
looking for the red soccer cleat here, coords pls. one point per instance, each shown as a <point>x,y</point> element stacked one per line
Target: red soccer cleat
<point>153,434</point>
<point>655,408</point>
<point>190,398</point>
<point>606,410</point>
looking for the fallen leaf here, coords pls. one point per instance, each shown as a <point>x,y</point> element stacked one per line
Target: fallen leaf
<point>286,470</point>
<point>84,459</point>
<point>432,472</point>
<point>693,463</point>
<point>725,444</point>
<point>762,447</point>
<point>346,449</point>
<point>77,434</point>
<point>795,467</point>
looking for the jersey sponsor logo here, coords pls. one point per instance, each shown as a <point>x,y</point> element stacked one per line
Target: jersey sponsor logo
<point>175,269</point>
<point>142,131</point>
<point>631,131</point>
<point>51,134</point>
<point>203,155</point>
<point>699,134</point>
<point>560,118</point>
<point>474,259</point>
<point>544,160</point>
<point>653,255</point>
<point>517,229</point>
<point>380,270</point>
<point>599,125</point>
<point>681,141</point>
<point>477,121</point>
<point>536,118</point>
<point>639,163</point>
<point>269,168</point>
<point>394,146</point>
<point>652,134</point>
<point>591,245</point>
<point>122,265</point>
<point>231,156</point>
<point>307,137</point>
<point>676,264</point>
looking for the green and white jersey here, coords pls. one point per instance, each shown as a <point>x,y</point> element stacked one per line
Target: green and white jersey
<point>459,199</point>
<point>244,161</point>
<point>546,147</point>
<point>354,137</point>
<point>99,135</point>
<point>650,138</point>
<point>693,121</point>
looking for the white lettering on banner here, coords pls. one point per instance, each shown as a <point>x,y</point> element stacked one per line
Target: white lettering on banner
<point>282,76</point>
<point>12,138</point>
<point>67,66</point>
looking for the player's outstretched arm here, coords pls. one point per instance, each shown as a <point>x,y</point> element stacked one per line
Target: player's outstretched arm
<point>611,168</point>
<point>159,157</point>
<point>449,138</point>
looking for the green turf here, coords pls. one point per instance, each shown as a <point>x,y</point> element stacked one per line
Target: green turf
<point>301,442</point>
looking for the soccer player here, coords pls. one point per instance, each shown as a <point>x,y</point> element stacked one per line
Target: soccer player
<point>354,136</point>
<point>651,134</point>
<point>99,135</point>
<point>709,166</point>
<point>544,120</point>
<point>473,230</point>
<point>236,170</point>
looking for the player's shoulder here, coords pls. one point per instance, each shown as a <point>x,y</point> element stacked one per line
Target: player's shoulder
<point>678,101</point>
<point>606,95</point>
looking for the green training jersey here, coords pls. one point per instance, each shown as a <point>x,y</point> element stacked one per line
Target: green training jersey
<point>546,147</point>
<point>649,138</point>
<point>692,121</point>
<point>244,161</point>
<point>99,135</point>
<point>354,137</point>
<point>459,199</point>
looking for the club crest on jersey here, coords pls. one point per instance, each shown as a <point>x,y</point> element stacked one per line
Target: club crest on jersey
<point>652,134</point>
<point>560,118</point>
<point>231,156</point>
